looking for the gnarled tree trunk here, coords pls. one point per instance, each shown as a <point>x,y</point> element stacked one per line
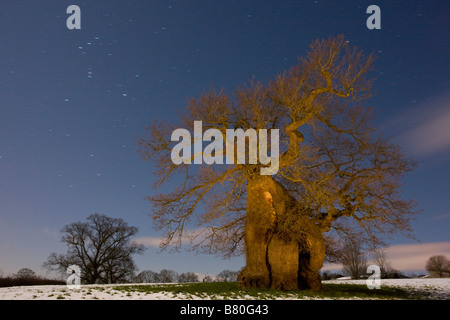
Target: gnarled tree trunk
<point>272,260</point>
<point>311,257</point>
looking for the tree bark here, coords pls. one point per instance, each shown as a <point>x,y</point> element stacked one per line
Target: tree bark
<point>311,257</point>
<point>273,261</point>
<point>258,234</point>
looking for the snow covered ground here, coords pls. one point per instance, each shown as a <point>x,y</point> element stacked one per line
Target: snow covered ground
<point>437,288</point>
<point>86,292</point>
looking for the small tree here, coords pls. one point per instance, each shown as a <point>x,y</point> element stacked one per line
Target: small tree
<point>438,265</point>
<point>101,247</point>
<point>25,273</point>
<point>353,260</point>
<point>385,266</point>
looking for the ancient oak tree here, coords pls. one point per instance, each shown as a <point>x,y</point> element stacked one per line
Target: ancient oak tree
<point>337,178</point>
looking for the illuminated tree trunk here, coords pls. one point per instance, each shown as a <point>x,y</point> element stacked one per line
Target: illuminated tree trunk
<point>271,260</point>
<point>311,257</point>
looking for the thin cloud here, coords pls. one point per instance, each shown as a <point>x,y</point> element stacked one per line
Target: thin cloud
<point>188,236</point>
<point>405,257</point>
<point>149,241</point>
<point>50,233</point>
<point>441,217</point>
<point>426,131</point>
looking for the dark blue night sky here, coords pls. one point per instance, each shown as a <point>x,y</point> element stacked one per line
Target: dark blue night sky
<point>72,103</point>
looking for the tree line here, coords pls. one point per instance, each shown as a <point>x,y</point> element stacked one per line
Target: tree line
<point>167,276</point>
<point>27,277</point>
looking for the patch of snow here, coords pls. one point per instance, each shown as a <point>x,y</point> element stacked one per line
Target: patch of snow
<point>86,292</point>
<point>437,288</point>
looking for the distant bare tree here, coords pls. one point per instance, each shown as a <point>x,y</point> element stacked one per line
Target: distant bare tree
<point>101,247</point>
<point>188,277</point>
<point>166,276</point>
<point>227,276</point>
<point>438,265</point>
<point>25,273</point>
<point>333,249</point>
<point>353,260</point>
<point>147,276</point>
<point>382,261</point>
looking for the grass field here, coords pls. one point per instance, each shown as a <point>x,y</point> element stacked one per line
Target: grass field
<point>230,290</point>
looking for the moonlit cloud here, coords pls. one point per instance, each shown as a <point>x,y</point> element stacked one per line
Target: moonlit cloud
<point>188,236</point>
<point>428,129</point>
<point>441,217</point>
<point>149,241</point>
<point>406,257</point>
<point>50,233</point>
